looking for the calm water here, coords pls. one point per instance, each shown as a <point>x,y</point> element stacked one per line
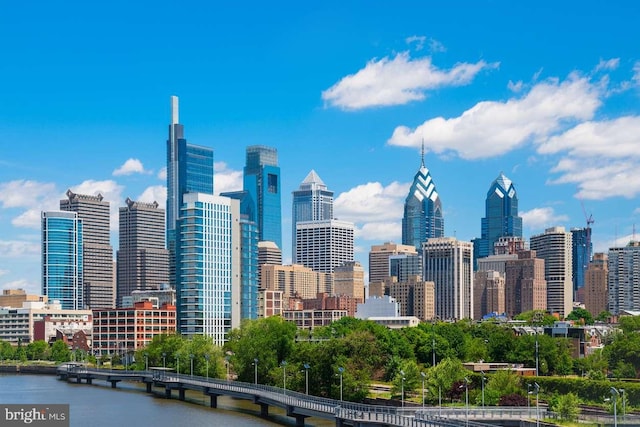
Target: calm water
<point>99,405</point>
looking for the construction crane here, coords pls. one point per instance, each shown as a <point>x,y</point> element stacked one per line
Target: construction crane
<point>590,221</point>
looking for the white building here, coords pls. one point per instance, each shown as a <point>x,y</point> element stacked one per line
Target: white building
<point>384,306</point>
<point>324,245</point>
<point>624,278</point>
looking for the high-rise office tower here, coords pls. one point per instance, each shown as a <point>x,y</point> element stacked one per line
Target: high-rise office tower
<point>379,257</point>
<point>405,266</point>
<point>488,293</point>
<point>208,266</point>
<point>554,247</point>
<point>295,281</point>
<point>416,297</point>
<point>624,277</point>
<point>525,284</point>
<point>595,285</point>
<point>62,277</point>
<point>448,263</point>
<point>323,245</point>
<point>348,279</point>
<point>581,249</point>
<point>501,216</point>
<point>189,170</point>
<point>312,201</point>
<point>262,181</point>
<point>249,255</point>
<point>97,257</point>
<point>422,217</point>
<point>143,260</point>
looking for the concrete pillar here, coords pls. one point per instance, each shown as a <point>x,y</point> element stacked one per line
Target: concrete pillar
<point>113,383</point>
<point>181,393</point>
<point>300,420</point>
<point>149,387</point>
<point>213,400</point>
<point>167,392</point>
<point>264,410</point>
<point>89,380</point>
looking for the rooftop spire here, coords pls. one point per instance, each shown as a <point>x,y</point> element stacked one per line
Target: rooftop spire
<point>422,155</point>
<point>174,110</point>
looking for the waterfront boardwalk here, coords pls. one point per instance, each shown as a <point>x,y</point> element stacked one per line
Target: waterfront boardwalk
<point>297,405</point>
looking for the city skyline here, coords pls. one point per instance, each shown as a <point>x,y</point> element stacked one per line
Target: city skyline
<point>349,91</point>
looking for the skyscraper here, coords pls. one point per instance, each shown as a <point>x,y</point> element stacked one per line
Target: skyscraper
<point>581,249</point>
<point>249,255</point>
<point>526,287</point>
<point>143,261</point>
<point>348,279</point>
<point>262,181</point>
<point>624,277</point>
<point>208,266</point>
<point>448,263</point>
<point>596,285</point>
<point>62,277</point>
<point>554,247</point>
<point>422,218</point>
<point>97,257</point>
<point>379,256</point>
<point>501,216</point>
<point>312,201</point>
<point>189,170</point>
<point>323,245</point>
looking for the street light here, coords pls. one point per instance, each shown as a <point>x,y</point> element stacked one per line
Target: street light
<point>206,357</point>
<point>537,353</point>
<point>614,394</point>
<point>402,393</point>
<point>306,377</point>
<point>191,357</point>
<point>178,364</point>
<point>341,370</point>
<point>226,362</point>
<point>466,398</point>
<point>483,380</point>
<point>537,390</point>
<point>164,360</point>
<point>624,402</point>
<point>529,399</point>
<point>423,375</point>
<point>255,371</point>
<point>146,361</point>
<point>284,375</point>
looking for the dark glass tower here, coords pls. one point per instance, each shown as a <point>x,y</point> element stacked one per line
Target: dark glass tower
<point>422,218</point>
<point>501,216</point>
<point>262,181</point>
<point>312,201</point>
<point>189,170</point>
<point>582,250</point>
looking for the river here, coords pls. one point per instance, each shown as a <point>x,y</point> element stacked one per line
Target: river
<point>98,405</point>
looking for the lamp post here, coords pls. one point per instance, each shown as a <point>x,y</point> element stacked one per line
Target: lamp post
<point>146,361</point>
<point>423,375</point>
<point>284,375</point>
<point>306,377</point>
<point>614,395</point>
<point>341,370</point>
<point>536,387</point>
<point>466,398</point>
<point>529,399</point>
<point>402,392</point>
<point>624,402</point>
<point>537,353</point>
<point>255,371</point>
<point>206,358</point>
<point>483,380</point>
<point>178,364</point>
<point>191,357</point>
<point>164,360</point>
<point>227,363</point>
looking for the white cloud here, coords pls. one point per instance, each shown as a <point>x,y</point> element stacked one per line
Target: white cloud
<point>130,167</point>
<point>162,174</point>
<point>607,64</point>
<point>155,193</point>
<point>435,46</point>
<point>540,218</point>
<point>3,272</point>
<point>636,73</point>
<point>397,81</point>
<point>380,231</point>
<point>19,249</point>
<point>29,287</point>
<point>636,211</point>
<point>226,179</point>
<point>418,40</point>
<point>515,87</point>
<point>492,128</point>
<point>33,196</point>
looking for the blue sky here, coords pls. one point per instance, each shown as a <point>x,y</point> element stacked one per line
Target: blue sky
<point>547,92</point>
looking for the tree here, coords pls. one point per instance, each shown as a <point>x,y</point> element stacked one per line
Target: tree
<point>603,316</point>
<point>581,315</point>
<point>567,406</point>
<point>536,317</point>
<point>412,378</point>
<point>501,383</point>
<point>441,377</point>
<point>60,352</point>
<point>7,352</point>
<point>629,324</point>
<point>38,350</point>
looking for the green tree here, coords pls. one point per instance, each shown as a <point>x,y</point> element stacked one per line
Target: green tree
<point>412,379</point>
<point>536,317</point>
<point>7,351</point>
<point>567,406</point>
<point>603,316</point>
<point>60,352</point>
<point>441,377</point>
<point>38,350</point>
<point>581,316</point>
<point>501,383</point>
<point>629,324</point>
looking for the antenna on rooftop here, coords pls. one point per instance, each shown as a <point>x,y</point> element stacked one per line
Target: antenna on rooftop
<point>422,155</point>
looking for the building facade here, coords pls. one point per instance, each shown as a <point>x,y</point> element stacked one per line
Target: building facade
<point>348,279</point>
<point>143,260</point>
<point>97,253</point>
<point>379,256</point>
<point>624,278</point>
<point>488,293</point>
<point>554,246</point>
<point>312,201</point>
<point>448,263</point>
<point>581,250</point>
<point>62,259</point>
<point>262,181</point>
<point>208,266</point>
<point>416,297</point>
<point>324,245</point>
<point>501,216</point>
<point>525,283</point>
<point>422,218</point>
<point>596,285</point>
<point>405,266</point>
<point>14,298</point>
<point>295,281</point>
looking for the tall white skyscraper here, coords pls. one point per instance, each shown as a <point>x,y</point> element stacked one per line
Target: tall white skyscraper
<point>448,263</point>
<point>324,245</point>
<point>624,278</point>
<point>208,266</point>
<point>554,247</point>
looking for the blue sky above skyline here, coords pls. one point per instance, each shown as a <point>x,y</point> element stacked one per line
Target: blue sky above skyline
<point>546,92</point>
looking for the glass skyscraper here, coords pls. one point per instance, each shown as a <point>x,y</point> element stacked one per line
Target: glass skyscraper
<point>501,216</point>
<point>422,217</point>
<point>62,270</point>
<point>262,181</point>
<point>189,170</point>
<point>312,201</point>
<point>248,255</point>
<point>582,250</point>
